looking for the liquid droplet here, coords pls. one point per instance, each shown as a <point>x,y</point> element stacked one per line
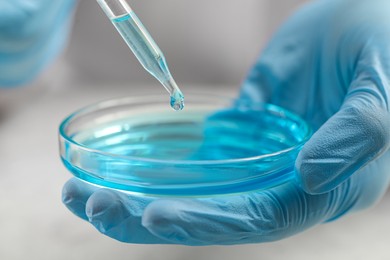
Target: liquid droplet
<point>177,101</point>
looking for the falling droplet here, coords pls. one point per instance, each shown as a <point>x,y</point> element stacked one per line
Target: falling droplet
<point>177,101</point>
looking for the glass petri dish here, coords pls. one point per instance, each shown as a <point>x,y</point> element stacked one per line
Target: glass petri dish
<point>216,145</point>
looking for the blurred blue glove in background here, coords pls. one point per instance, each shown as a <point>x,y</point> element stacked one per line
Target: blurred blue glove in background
<point>329,63</point>
<point>32,33</point>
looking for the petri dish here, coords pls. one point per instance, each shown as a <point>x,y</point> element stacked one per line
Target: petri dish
<point>216,145</point>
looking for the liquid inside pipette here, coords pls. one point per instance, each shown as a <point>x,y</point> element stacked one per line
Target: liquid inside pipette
<point>148,54</point>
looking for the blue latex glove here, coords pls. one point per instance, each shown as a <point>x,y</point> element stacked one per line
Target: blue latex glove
<point>31,35</point>
<point>330,63</point>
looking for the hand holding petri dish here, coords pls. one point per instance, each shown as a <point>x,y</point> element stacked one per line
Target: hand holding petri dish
<point>222,171</point>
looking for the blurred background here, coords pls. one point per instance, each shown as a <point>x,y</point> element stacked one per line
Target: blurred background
<point>208,44</point>
<point>205,42</point>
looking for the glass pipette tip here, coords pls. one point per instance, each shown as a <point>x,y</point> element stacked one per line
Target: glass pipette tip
<point>143,46</point>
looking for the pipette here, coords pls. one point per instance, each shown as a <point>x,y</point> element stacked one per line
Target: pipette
<point>143,46</point>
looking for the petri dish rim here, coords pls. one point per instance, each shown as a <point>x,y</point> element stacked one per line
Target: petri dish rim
<point>138,99</point>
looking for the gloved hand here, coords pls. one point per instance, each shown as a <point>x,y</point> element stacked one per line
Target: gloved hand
<point>330,63</point>
<point>32,33</point>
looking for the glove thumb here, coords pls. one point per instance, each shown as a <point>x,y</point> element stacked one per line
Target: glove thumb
<point>349,140</point>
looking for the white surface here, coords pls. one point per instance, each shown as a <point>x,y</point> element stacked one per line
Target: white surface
<point>35,225</point>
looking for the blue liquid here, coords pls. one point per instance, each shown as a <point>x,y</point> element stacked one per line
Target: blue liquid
<point>177,101</point>
<point>220,137</point>
<point>149,55</point>
<point>143,153</point>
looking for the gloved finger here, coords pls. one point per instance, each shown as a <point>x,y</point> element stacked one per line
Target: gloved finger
<point>75,195</point>
<point>14,16</point>
<point>32,33</point>
<point>119,216</point>
<point>348,141</point>
<point>248,218</point>
<point>22,19</point>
